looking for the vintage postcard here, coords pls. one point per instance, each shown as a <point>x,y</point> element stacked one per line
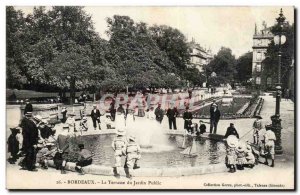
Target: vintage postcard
<point>150,98</point>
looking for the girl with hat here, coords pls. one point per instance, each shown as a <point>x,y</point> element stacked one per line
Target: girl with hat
<point>71,122</point>
<point>83,124</point>
<point>119,146</point>
<point>230,159</point>
<point>133,154</point>
<point>240,155</point>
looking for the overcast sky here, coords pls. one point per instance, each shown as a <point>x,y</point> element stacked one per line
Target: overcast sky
<point>212,27</point>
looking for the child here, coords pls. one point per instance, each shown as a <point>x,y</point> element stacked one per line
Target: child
<point>119,146</point>
<point>43,155</point>
<point>108,121</point>
<point>83,124</point>
<point>250,159</point>
<point>133,154</point>
<point>59,161</point>
<point>270,138</point>
<point>71,123</point>
<point>84,159</point>
<point>257,126</point>
<point>240,156</point>
<point>13,145</point>
<point>230,153</point>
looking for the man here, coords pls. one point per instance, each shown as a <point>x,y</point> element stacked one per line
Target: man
<point>119,146</point>
<point>84,159</point>
<point>187,117</point>
<point>172,114</point>
<point>231,131</point>
<point>214,118</point>
<point>159,113</point>
<point>270,139</point>
<point>30,139</point>
<point>64,114</point>
<point>112,110</point>
<point>28,107</point>
<point>95,115</point>
<point>257,126</point>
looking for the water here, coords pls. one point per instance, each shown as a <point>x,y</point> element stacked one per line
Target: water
<point>208,152</point>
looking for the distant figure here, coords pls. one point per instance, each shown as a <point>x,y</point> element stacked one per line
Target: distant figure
<point>28,107</point>
<point>95,115</point>
<point>121,109</point>
<point>187,117</point>
<point>59,161</point>
<point>214,118</point>
<point>172,114</point>
<point>71,123</point>
<point>64,113</point>
<point>112,110</point>
<point>83,124</point>
<point>159,113</point>
<point>231,131</point>
<point>202,127</point>
<point>230,159</point>
<point>84,159</point>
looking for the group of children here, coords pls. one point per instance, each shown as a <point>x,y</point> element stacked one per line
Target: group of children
<point>128,148</point>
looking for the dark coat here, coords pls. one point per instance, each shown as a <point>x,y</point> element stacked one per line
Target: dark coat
<point>231,131</point>
<point>172,113</point>
<point>159,113</point>
<point>28,108</point>
<point>30,133</point>
<point>95,115</point>
<point>215,116</point>
<point>187,123</point>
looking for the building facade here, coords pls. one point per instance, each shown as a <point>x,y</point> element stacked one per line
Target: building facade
<point>199,56</point>
<point>261,40</point>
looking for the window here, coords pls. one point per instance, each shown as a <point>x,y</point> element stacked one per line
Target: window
<point>258,67</point>
<point>257,80</point>
<point>269,81</point>
<point>259,56</point>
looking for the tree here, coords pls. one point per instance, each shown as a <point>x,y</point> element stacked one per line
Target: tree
<point>244,67</point>
<point>16,44</point>
<point>174,43</point>
<point>194,76</point>
<point>287,56</point>
<point>224,65</point>
<point>135,56</point>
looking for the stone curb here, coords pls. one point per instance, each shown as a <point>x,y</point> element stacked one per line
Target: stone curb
<point>150,172</point>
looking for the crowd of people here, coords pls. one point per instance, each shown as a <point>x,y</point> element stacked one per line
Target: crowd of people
<point>33,140</point>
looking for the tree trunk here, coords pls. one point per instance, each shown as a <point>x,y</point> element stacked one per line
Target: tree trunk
<point>72,91</point>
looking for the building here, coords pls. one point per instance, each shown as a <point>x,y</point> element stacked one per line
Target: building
<point>199,56</point>
<point>261,40</point>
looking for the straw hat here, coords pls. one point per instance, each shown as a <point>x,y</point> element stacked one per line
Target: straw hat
<point>40,144</point>
<point>60,151</point>
<point>232,141</point>
<point>248,148</point>
<point>132,138</point>
<point>28,114</point>
<point>241,147</point>
<point>258,117</point>
<point>49,144</point>
<point>84,118</point>
<point>121,132</point>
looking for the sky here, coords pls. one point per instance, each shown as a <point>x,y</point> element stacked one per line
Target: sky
<point>211,27</point>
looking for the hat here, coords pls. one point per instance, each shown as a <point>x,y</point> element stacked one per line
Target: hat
<point>231,124</point>
<point>16,129</point>
<point>232,141</point>
<point>132,138</point>
<point>120,132</point>
<point>84,118</point>
<point>38,117</point>
<point>258,117</point>
<point>94,105</point>
<point>80,146</point>
<point>60,151</point>
<point>27,100</point>
<point>28,114</point>
<point>215,105</point>
<point>241,147</point>
<point>49,144</point>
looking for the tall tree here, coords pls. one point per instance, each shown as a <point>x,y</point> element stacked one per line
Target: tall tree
<point>244,67</point>
<point>224,65</point>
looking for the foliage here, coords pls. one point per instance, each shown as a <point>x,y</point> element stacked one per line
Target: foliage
<point>244,67</point>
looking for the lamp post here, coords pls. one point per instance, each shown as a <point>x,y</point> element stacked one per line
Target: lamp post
<point>279,39</point>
